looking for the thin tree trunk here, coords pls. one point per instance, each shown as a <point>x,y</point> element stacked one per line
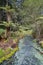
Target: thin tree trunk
<point>38,31</point>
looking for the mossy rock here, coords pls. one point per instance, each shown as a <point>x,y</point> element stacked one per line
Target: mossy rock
<point>41,43</point>
<point>7,56</point>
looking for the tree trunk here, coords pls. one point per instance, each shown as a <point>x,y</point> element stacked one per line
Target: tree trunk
<point>37,31</point>
<point>7,33</point>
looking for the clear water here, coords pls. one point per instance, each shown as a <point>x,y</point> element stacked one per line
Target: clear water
<point>27,54</point>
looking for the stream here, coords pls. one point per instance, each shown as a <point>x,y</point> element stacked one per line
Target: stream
<point>27,54</point>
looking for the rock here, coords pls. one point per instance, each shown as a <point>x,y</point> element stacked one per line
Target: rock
<point>41,43</point>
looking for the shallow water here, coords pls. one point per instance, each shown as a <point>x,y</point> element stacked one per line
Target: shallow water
<point>27,54</point>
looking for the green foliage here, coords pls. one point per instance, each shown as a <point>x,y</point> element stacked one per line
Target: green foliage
<point>1,53</point>
<point>7,9</point>
<point>41,43</point>
<point>32,9</point>
<point>32,2</point>
<point>2,31</point>
<point>5,57</point>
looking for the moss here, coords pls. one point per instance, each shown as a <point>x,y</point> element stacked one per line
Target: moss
<point>6,57</point>
<point>1,53</point>
<point>41,43</point>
